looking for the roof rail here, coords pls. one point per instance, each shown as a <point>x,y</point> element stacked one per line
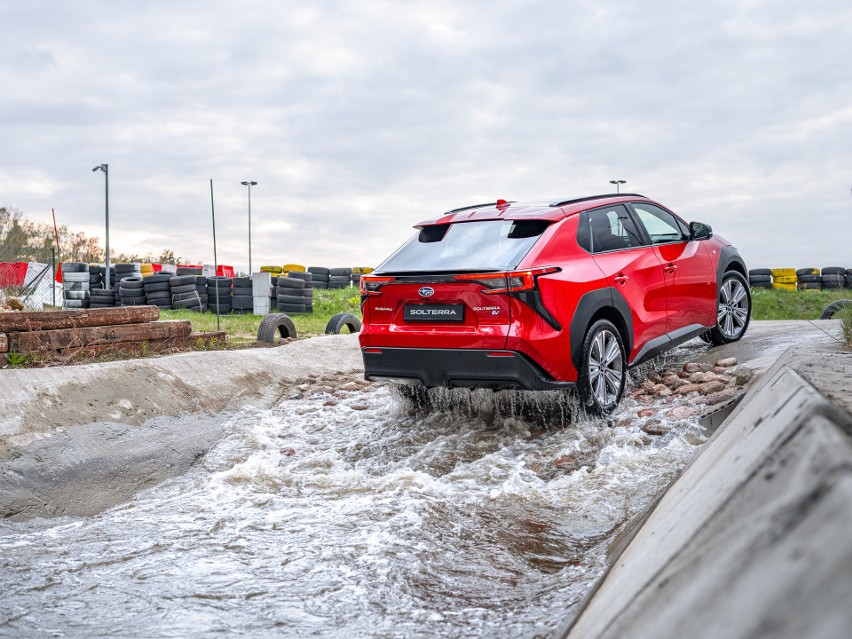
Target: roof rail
<point>594,197</point>
<point>475,206</point>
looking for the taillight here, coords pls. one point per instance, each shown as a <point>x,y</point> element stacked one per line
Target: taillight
<point>511,282</point>
<point>370,285</point>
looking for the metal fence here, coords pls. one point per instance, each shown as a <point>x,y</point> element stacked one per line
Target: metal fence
<point>28,273</point>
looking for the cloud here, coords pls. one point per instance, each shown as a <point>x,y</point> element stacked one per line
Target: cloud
<point>360,119</point>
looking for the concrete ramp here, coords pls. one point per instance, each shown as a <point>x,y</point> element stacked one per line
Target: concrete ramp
<point>755,538</point>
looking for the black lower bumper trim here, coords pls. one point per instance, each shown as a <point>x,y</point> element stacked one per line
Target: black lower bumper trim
<point>458,368</point>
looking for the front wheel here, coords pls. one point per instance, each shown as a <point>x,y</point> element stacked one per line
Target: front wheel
<point>733,309</point>
<point>602,368</point>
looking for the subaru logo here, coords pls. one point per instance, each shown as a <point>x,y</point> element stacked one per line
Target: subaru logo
<point>426,291</point>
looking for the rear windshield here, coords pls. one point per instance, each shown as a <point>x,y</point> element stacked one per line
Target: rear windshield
<point>467,246</point>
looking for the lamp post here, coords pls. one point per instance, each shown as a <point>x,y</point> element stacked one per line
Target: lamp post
<point>249,184</point>
<point>618,184</point>
<point>105,169</point>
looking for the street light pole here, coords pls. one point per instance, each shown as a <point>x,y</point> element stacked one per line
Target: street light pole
<point>618,184</point>
<point>249,184</point>
<point>105,169</point>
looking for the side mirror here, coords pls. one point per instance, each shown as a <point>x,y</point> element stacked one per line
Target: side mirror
<point>700,231</point>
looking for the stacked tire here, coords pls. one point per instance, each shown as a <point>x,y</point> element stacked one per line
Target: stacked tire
<point>95,278</point>
<point>157,290</point>
<point>131,290</point>
<point>111,276</point>
<point>183,292</point>
<point>219,294</point>
<point>833,277</point>
<point>75,285</point>
<point>308,290</point>
<point>760,278</point>
<point>784,279</point>
<point>188,270</point>
<point>808,279</point>
<point>242,302</point>
<point>290,296</point>
<point>849,278</point>
<point>339,277</point>
<point>121,271</point>
<point>320,276</point>
<point>102,298</point>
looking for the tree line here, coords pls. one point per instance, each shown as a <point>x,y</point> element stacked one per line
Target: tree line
<point>22,240</point>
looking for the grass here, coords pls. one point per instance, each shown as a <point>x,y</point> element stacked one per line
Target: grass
<point>772,304</point>
<point>243,328</point>
<point>845,317</point>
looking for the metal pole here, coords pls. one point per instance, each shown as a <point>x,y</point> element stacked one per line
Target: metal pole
<point>249,222</point>
<point>107,283</point>
<point>215,257</point>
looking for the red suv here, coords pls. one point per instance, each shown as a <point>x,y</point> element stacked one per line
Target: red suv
<point>549,296</point>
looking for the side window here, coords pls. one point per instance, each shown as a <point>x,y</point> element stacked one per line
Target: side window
<point>662,226</point>
<point>607,229</point>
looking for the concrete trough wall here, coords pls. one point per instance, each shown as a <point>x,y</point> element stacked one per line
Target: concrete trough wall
<point>755,538</point>
<point>76,440</point>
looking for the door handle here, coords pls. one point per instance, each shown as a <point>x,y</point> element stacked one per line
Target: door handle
<point>621,278</point>
<point>670,268</point>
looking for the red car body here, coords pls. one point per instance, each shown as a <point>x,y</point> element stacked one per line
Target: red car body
<point>435,316</point>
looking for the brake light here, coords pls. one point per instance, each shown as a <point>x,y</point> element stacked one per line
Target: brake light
<point>370,285</point>
<point>510,282</point>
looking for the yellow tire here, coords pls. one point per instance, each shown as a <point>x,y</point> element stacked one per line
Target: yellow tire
<point>785,279</point>
<point>783,272</point>
<point>298,268</point>
<point>271,269</point>
<point>362,270</point>
<point>784,286</point>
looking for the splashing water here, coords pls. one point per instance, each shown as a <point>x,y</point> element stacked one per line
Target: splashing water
<point>349,514</point>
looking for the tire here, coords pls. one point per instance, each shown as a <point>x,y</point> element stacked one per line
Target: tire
<point>337,281</point>
<point>320,285</point>
<point>75,267</point>
<point>290,282</point>
<point>242,282</point>
<point>158,278</point>
<point>182,288</point>
<point>733,309</point>
<point>126,268</point>
<point>340,321</point>
<point>76,295</point>
<point>829,311</point>
<point>766,285</point>
<point>808,278</point>
<point>834,270</point>
<point>220,294</point>
<point>318,270</point>
<point>158,295</point>
<point>181,280</point>
<point>760,271</point>
<point>282,290</point>
<point>809,286</point>
<point>832,285</point>
<point>275,324</point>
<point>242,302</point>
<point>603,368</point>
<point>189,295</point>
<point>289,299</point>
<point>221,282</point>
<point>337,272</point>
<point>153,287</point>
<point>131,282</point>
<point>76,304</point>
<point>75,277</point>
<point>131,293</point>
<point>807,271</point>
<point>308,278</point>
<point>759,279</point>
<point>832,281</point>
<point>185,303</point>
<point>187,270</point>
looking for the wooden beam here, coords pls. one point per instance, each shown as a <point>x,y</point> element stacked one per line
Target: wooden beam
<point>148,346</point>
<point>48,340</point>
<point>53,320</point>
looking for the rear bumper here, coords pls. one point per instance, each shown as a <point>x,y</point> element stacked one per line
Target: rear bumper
<point>458,368</point>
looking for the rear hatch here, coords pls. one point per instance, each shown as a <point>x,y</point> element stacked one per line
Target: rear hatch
<point>447,286</point>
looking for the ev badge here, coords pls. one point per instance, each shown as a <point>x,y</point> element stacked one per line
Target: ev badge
<point>426,291</point>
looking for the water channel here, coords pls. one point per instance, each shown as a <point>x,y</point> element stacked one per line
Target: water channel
<point>344,514</point>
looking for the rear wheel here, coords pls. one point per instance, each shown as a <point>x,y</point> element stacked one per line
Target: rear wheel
<point>602,369</point>
<point>733,309</point>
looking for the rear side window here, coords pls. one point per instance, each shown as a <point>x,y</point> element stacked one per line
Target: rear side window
<point>467,246</point>
<point>607,229</point>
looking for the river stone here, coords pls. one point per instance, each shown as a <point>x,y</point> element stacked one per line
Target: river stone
<point>654,427</point>
<point>712,387</point>
<point>688,388</point>
<point>727,362</point>
<point>722,396</point>
<point>743,374</point>
<point>645,412</point>
<point>696,367</point>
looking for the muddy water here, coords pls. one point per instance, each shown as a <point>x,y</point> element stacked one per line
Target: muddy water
<point>342,514</point>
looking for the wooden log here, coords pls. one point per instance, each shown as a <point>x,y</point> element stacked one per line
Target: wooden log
<point>4,343</point>
<point>53,320</point>
<point>36,341</point>
<point>141,348</point>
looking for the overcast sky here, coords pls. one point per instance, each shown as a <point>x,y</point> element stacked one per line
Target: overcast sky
<point>360,119</point>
